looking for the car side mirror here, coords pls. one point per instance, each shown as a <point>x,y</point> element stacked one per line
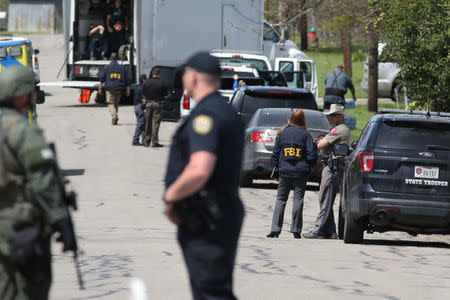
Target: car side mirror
<point>354,143</point>
<point>341,149</point>
<point>36,51</point>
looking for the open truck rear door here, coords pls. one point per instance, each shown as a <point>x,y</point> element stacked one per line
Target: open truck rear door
<point>299,73</point>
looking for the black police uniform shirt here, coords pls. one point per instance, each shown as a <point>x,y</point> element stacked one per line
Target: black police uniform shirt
<point>138,94</point>
<point>155,90</point>
<point>115,77</point>
<point>213,126</point>
<point>295,152</point>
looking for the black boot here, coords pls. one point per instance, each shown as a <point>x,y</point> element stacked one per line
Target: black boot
<point>297,235</point>
<point>273,234</point>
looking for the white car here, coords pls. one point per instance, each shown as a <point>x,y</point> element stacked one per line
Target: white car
<point>388,76</point>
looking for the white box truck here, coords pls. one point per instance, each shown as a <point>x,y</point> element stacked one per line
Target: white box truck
<point>161,33</point>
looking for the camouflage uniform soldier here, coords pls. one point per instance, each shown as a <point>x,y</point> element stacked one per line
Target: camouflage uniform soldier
<point>32,205</point>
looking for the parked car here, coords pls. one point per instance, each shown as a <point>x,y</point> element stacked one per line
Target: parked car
<point>249,99</point>
<point>388,75</point>
<point>260,136</point>
<point>251,76</point>
<point>396,178</point>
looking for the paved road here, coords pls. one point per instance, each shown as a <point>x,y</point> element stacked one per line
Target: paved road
<point>124,234</point>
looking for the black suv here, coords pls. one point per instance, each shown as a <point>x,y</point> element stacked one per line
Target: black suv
<point>249,99</point>
<point>396,178</point>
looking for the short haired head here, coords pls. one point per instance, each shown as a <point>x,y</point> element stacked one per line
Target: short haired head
<point>340,67</point>
<point>113,56</point>
<point>156,71</point>
<point>203,62</point>
<point>142,78</point>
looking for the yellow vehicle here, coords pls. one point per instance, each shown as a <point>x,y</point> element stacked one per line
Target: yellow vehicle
<point>18,51</point>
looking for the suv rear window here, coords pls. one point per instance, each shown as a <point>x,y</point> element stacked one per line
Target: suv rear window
<point>252,103</point>
<point>413,135</point>
<point>273,119</point>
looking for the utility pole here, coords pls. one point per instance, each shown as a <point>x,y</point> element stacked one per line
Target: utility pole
<point>347,49</point>
<point>303,28</point>
<point>372,100</point>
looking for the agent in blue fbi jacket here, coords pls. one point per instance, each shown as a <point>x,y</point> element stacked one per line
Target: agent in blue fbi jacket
<point>294,155</point>
<point>203,168</point>
<point>115,80</point>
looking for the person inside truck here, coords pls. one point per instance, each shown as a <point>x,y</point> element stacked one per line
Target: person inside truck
<point>117,24</point>
<point>98,43</point>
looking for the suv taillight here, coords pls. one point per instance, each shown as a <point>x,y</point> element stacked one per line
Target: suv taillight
<point>366,160</point>
<point>257,137</point>
<point>186,102</point>
<point>36,63</point>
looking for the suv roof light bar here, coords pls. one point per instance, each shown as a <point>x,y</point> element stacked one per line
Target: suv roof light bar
<point>412,112</point>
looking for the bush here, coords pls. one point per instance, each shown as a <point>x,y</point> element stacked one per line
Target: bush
<point>418,35</point>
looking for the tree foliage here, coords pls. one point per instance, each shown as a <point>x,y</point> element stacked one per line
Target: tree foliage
<point>417,32</point>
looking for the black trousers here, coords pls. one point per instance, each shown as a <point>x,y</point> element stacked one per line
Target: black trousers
<point>210,258</point>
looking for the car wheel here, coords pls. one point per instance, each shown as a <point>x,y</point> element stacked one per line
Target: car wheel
<point>246,180</point>
<point>341,223</point>
<point>353,231</point>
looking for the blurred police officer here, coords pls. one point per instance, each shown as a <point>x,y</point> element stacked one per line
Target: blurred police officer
<point>325,226</point>
<point>154,93</point>
<point>31,190</point>
<point>205,159</point>
<point>293,157</point>
<point>336,85</point>
<point>114,77</point>
<point>139,111</point>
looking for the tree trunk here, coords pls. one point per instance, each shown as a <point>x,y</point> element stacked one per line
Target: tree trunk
<point>347,48</point>
<point>303,28</point>
<point>372,101</point>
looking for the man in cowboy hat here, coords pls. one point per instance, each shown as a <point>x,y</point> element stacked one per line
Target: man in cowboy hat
<point>325,227</point>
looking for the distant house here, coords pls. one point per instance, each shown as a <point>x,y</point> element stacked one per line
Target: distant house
<point>35,16</point>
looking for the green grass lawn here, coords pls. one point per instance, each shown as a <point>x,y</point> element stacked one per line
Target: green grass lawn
<point>328,58</point>
<point>363,116</point>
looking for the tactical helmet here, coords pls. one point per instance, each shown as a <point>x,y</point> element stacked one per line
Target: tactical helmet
<point>15,81</point>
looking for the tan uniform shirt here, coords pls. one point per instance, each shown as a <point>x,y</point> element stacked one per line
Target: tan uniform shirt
<point>340,134</point>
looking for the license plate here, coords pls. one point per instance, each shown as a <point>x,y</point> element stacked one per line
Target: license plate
<point>426,172</point>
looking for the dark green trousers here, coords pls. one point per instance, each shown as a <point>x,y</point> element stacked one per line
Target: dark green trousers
<point>29,282</point>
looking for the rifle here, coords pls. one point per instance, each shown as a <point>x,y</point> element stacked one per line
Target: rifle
<point>68,237</point>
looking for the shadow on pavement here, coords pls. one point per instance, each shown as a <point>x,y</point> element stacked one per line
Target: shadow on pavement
<point>421,244</point>
<point>274,186</point>
<point>84,105</point>
<point>72,172</point>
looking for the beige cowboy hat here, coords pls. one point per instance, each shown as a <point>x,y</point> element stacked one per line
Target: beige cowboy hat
<point>335,109</point>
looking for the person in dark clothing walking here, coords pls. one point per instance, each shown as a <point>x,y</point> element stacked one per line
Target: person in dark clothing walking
<point>293,156</point>
<point>336,85</point>
<point>115,79</point>
<point>154,93</point>
<point>139,111</point>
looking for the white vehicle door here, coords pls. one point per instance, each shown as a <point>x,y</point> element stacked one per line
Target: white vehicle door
<point>306,66</point>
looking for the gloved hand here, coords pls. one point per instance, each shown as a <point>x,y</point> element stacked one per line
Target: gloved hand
<point>67,236</point>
